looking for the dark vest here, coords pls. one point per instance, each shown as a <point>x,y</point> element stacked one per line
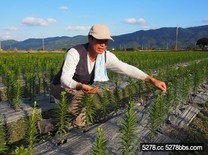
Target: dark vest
<point>81,73</point>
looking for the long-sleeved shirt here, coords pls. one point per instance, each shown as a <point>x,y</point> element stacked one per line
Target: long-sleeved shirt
<point>112,63</point>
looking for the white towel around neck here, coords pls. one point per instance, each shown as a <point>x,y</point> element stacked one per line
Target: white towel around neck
<point>100,69</point>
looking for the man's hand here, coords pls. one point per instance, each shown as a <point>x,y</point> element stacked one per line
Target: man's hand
<point>159,84</point>
<point>87,89</point>
<point>91,91</point>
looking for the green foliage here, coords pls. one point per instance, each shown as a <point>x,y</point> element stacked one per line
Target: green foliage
<point>3,146</point>
<point>20,151</point>
<point>124,93</point>
<point>169,98</point>
<point>185,90</point>
<point>130,87</point>
<point>14,93</point>
<point>128,132</point>
<point>156,115</point>
<point>44,83</point>
<point>115,97</point>
<point>113,102</point>
<point>32,129</point>
<point>196,80</point>
<point>62,116</point>
<point>43,66</point>
<point>10,82</point>
<point>161,107</point>
<point>100,145</point>
<point>104,103</point>
<point>176,91</point>
<point>88,108</point>
<point>31,78</point>
<point>17,95</point>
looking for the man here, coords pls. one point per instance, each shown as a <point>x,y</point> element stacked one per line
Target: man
<point>87,63</point>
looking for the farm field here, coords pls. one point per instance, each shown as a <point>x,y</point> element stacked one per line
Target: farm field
<point>25,78</point>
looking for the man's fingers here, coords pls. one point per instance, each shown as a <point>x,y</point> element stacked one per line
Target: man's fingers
<point>163,88</point>
<point>91,91</point>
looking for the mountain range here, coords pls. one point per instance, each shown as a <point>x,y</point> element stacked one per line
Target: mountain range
<point>162,38</point>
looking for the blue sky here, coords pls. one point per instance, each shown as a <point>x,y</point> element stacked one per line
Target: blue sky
<point>23,19</point>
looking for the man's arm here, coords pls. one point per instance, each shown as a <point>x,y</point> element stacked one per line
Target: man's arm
<point>68,70</point>
<point>157,83</point>
<point>114,64</point>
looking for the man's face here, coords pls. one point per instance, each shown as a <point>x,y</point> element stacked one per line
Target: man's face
<point>98,45</point>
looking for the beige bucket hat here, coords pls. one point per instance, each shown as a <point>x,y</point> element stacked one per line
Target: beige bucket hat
<point>100,31</point>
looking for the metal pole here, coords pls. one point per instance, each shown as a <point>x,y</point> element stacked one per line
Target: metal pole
<point>43,43</point>
<point>176,46</point>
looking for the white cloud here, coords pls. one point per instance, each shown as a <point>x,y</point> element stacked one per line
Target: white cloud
<point>63,8</point>
<point>135,21</point>
<point>205,20</point>
<point>78,28</point>
<point>141,22</point>
<point>12,28</point>
<point>5,36</point>
<point>32,21</point>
